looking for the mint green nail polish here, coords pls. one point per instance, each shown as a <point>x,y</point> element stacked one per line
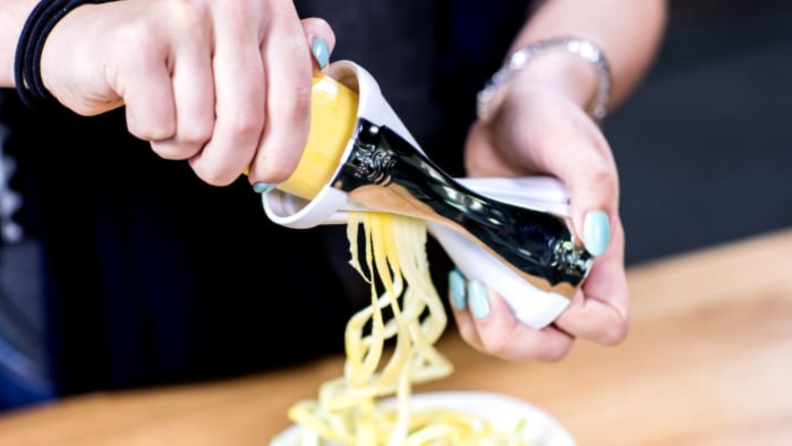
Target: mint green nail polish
<point>478,298</point>
<point>596,232</point>
<point>263,188</point>
<point>321,52</point>
<point>456,284</point>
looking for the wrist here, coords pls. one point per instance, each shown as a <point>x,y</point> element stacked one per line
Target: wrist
<point>57,53</point>
<point>562,73</point>
<point>41,21</point>
<point>566,64</point>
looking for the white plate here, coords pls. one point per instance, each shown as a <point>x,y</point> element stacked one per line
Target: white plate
<point>504,412</point>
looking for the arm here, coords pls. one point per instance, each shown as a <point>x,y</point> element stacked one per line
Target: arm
<point>537,124</point>
<point>629,32</point>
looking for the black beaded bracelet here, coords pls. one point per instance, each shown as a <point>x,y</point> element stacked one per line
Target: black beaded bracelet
<point>27,62</point>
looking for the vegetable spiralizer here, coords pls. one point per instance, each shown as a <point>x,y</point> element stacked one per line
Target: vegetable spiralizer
<point>512,234</point>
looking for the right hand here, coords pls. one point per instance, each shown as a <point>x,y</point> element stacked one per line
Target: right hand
<point>538,125</point>
<point>223,84</point>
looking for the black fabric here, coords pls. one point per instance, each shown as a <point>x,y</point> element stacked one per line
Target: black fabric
<point>153,277</point>
<point>429,58</point>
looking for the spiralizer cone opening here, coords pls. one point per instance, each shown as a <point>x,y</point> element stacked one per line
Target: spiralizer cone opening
<point>333,116</point>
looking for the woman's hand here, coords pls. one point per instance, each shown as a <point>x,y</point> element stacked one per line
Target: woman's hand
<point>223,84</point>
<point>537,126</point>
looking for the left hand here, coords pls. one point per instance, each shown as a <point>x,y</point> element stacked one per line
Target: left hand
<point>536,127</point>
<point>223,84</point>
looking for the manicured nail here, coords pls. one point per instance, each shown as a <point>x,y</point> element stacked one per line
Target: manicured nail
<point>596,232</point>
<point>263,188</point>
<point>478,298</point>
<point>321,52</point>
<point>456,284</point>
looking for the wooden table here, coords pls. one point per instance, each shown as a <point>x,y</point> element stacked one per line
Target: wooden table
<point>708,362</point>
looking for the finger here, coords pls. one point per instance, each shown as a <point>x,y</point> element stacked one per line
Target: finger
<point>600,311</point>
<point>288,71</point>
<point>467,330</point>
<point>488,323</point>
<point>146,89</point>
<point>321,39</point>
<point>239,85</point>
<point>586,165</point>
<point>193,91</point>
<point>504,336</point>
<point>457,289</point>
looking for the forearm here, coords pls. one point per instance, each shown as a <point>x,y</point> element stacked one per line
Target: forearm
<point>628,32</point>
<point>12,17</point>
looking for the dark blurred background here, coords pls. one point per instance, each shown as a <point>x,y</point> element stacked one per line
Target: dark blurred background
<point>703,149</point>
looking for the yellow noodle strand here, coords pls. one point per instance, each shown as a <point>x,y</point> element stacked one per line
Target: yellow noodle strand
<point>348,409</point>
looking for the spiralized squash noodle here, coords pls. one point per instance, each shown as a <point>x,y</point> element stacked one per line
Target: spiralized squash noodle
<point>348,409</point>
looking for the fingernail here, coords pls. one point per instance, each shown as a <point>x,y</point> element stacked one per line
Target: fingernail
<point>478,298</point>
<point>456,284</point>
<point>321,52</point>
<point>596,232</point>
<point>263,188</point>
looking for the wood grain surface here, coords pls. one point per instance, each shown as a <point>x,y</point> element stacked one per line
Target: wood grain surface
<point>708,362</point>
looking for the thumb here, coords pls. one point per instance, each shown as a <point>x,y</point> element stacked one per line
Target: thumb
<point>594,195</point>
<point>321,39</point>
<point>581,157</point>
